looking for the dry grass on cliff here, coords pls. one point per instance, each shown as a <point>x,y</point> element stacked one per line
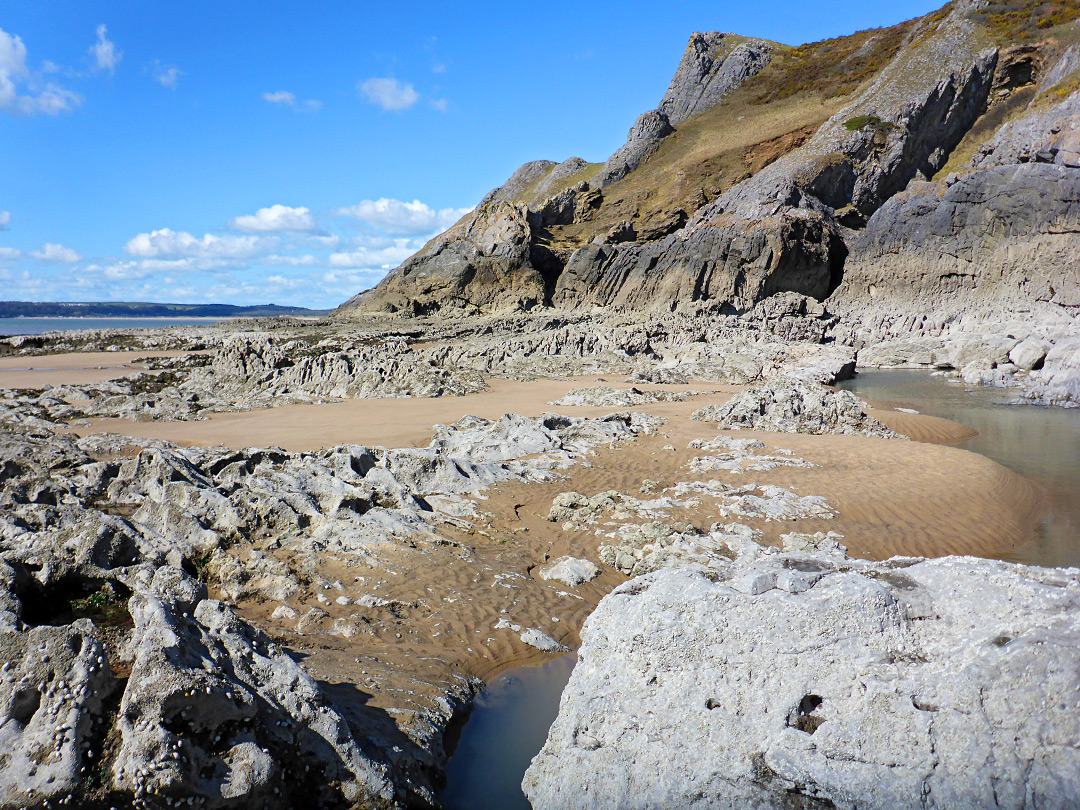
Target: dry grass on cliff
<point>831,67</point>
<point>708,154</point>
<point>1012,23</point>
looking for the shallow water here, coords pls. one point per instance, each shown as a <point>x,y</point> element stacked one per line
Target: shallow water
<point>1041,443</point>
<point>38,326</point>
<point>507,728</point>
<point>511,718</point>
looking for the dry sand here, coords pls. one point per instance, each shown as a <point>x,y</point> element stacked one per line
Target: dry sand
<point>72,369</point>
<point>891,497</point>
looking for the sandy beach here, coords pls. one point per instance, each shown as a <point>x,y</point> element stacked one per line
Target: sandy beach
<point>890,497</point>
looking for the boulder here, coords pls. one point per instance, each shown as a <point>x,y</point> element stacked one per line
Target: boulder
<point>813,681</point>
<point>570,571</point>
<point>791,406</point>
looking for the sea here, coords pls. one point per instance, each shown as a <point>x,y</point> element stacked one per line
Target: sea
<point>38,326</point>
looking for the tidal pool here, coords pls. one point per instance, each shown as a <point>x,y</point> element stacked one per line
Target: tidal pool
<point>1039,442</point>
<point>506,729</point>
<point>510,720</point>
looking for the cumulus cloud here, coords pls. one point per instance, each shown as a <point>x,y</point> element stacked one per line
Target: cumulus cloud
<point>165,75</point>
<point>389,253</point>
<point>41,97</point>
<point>287,99</point>
<point>52,252</point>
<point>439,104</point>
<point>390,94</point>
<point>106,57</point>
<point>170,244</point>
<point>280,97</point>
<point>5,218</point>
<point>403,218</point>
<point>276,219</point>
<point>9,254</point>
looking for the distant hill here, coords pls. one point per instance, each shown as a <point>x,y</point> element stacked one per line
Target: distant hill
<point>142,309</point>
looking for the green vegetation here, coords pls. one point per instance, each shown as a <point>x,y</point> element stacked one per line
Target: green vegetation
<point>1020,22</point>
<point>831,67</point>
<point>868,121</point>
<point>105,608</point>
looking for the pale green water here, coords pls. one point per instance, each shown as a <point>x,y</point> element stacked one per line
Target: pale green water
<point>1040,443</point>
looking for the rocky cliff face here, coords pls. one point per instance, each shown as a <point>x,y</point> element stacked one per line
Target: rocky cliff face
<point>582,235</point>
<point>481,264</point>
<point>985,253</point>
<point>934,193</point>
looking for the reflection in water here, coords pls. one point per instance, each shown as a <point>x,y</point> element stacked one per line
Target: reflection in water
<point>1041,443</point>
<point>507,728</point>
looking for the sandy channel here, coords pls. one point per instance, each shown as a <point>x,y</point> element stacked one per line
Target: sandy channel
<point>76,368</point>
<point>446,599</point>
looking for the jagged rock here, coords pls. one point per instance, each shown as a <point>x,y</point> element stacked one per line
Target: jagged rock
<point>825,682</point>
<point>53,686</point>
<point>571,571</point>
<point>789,406</point>
<point>606,396</point>
<point>642,140</point>
<point>727,261</point>
<point>521,183</point>
<point>213,710</point>
<point>712,65</point>
<point>482,264</point>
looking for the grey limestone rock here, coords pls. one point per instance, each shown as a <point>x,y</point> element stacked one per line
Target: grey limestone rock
<point>482,264</point>
<point>810,680</point>
<point>54,683</point>
<point>712,65</point>
<point>213,710</point>
<point>571,571</point>
<point>790,406</point>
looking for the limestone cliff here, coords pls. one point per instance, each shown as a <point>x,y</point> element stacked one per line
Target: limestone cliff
<point>767,168</point>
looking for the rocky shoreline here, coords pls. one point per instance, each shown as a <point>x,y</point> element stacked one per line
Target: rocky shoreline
<point>595,414</point>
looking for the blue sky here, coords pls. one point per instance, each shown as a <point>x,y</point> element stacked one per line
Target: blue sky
<point>288,152</point>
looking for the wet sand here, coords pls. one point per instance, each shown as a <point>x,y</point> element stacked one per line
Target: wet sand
<point>72,369</point>
<point>449,593</point>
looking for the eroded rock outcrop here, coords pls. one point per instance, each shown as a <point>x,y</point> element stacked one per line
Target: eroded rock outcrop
<point>712,66</point>
<point>788,679</point>
<point>481,264</point>
<point>982,256</point>
<point>786,405</point>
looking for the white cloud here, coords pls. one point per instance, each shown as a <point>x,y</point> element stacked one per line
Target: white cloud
<point>5,218</point>
<point>438,67</point>
<point>167,243</point>
<point>293,261</point>
<point>287,99</point>
<point>404,218</point>
<point>106,57</point>
<point>44,97</point>
<point>390,94</point>
<point>280,97</point>
<point>275,219</point>
<point>52,252</point>
<point>439,104</point>
<point>9,254</point>
<point>166,75</point>
<point>371,256</point>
